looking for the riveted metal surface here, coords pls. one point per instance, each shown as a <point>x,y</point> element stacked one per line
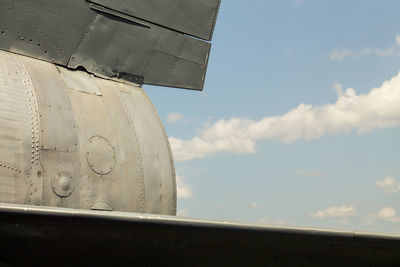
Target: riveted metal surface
<point>100,155</point>
<point>162,56</point>
<point>193,17</point>
<point>134,138</point>
<point>34,178</point>
<point>158,169</point>
<point>19,134</point>
<point>45,29</point>
<point>108,42</point>
<point>128,165</point>
<point>56,115</point>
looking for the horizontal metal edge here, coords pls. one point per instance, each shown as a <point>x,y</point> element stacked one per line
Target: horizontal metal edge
<point>133,218</point>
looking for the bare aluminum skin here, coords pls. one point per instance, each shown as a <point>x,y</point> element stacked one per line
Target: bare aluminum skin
<point>84,158</point>
<point>70,139</point>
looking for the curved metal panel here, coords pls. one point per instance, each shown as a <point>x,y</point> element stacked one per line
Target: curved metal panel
<point>160,192</point>
<point>62,146</point>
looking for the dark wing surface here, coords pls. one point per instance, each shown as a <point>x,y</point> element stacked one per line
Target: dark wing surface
<point>163,43</point>
<point>195,18</point>
<point>64,237</point>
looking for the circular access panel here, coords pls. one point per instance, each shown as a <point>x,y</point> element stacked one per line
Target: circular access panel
<point>62,184</point>
<point>100,155</point>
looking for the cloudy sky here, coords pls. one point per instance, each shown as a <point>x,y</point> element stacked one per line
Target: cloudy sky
<point>299,120</point>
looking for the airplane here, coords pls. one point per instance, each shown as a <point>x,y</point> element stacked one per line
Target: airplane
<point>86,171</point>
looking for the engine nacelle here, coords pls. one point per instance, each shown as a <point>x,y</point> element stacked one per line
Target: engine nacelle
<point>69,139</point>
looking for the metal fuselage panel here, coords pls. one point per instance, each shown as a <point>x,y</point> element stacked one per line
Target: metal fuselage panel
<point>140,41</point>
<point>69,139</point>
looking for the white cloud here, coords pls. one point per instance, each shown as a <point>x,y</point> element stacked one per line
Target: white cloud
<point>174,117</point>
<point>385,214</point>
<point>335,212</point>
<point>389,185</point>
<point>310,173</point>
<point>183,190</point>
<point>340,54</point>
<point>253,205</point>
<point>351,112</point>
<point>388,214</point>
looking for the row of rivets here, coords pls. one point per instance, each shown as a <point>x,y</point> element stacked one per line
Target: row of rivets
<point>139,162</point>
<point>34,121</point>
<point>11,168</point>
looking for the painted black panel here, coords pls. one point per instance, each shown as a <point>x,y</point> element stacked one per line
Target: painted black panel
<point>193,17</point>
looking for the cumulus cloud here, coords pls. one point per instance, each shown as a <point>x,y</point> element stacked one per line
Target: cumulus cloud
<point>388,214</point>
<point>183,190</point>
<point>309,173</point>
<point>351,112</point>
<point>389,185</point>
<point>340,54</point>
<point>385,214</point>
<point>335,212</point>
<point>174,117</point>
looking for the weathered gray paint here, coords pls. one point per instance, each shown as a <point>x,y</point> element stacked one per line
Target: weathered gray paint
<point>112,40</point>
<point>196,18</point>
<point>99,147</point>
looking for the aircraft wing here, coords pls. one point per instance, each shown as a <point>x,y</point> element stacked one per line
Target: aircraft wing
<point>163,43</point>
<point>31,235</point>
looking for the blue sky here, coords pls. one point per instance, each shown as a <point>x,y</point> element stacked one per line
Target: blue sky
<point>277,136</point>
